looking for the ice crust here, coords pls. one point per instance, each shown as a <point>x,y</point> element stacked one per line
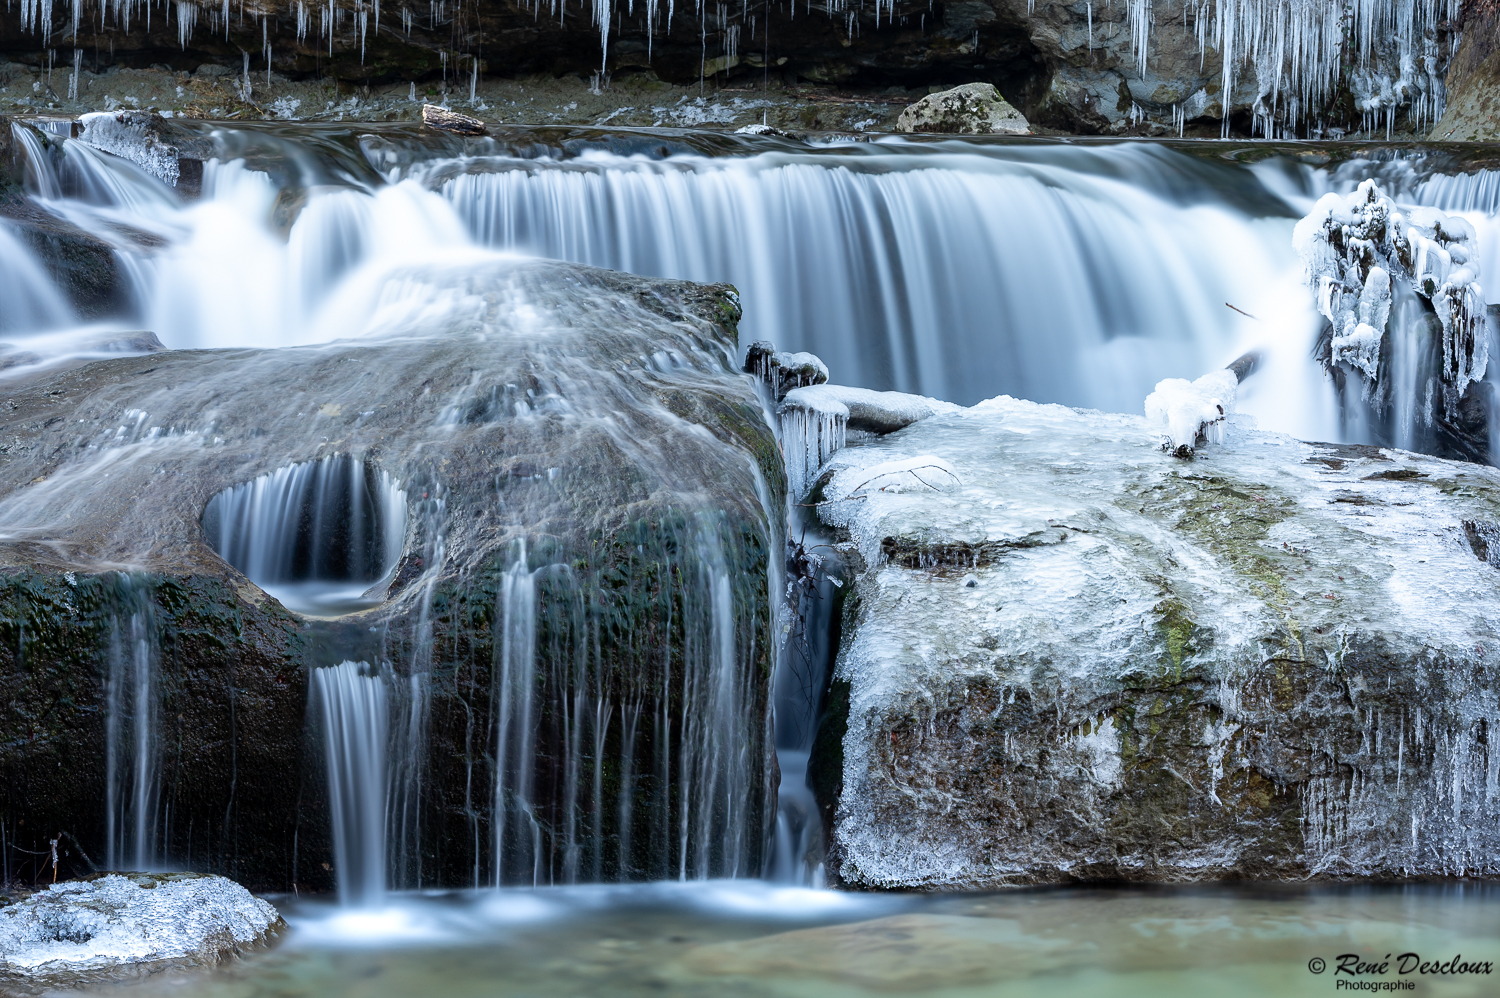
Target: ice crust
<point>1355,247</point>
<point>127,134</point>
<point>1012,627</point>
<point>815,421</point>
<point>1186,411</point>
<point>132,918</point>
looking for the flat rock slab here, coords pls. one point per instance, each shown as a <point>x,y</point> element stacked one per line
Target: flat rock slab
<point>141,921</point>
<point>1068,655</point>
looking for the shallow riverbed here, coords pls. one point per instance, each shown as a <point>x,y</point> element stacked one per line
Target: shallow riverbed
<point>753,939</point>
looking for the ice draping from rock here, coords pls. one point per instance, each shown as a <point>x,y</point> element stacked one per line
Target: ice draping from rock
<point>815,421</point>
<point>1355,247</point>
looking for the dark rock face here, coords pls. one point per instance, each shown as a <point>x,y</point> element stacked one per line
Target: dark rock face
<point>1072,67</point>
<point>602,447</point>
<point>917,45</point>
<point>1474,79</point>
<point>1073,657</point>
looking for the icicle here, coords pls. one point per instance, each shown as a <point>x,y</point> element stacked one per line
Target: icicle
<point>187,17</point>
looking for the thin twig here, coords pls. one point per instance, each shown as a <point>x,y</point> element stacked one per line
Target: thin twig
<point>1241,311</point>
<point>903,471</point>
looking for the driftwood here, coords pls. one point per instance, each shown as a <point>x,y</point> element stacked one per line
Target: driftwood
<point>451,121</point>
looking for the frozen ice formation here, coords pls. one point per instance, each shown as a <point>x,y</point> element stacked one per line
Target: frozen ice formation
<point>1360,251</point>
<point>1291,56</point>
<point>118,919</point>
<point>781,370</point>
<point>815,421</point>
<point>134,135</point>
<point>1077,657</point>
<point>1187,412</point>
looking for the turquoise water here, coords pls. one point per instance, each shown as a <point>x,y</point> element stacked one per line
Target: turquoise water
<point>754,939</point>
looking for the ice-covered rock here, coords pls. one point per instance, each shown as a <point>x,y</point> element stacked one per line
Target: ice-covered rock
<point>972,109</point>
<point>144,921</point>
<point>151,142</point>
<point>815,422</point>
<point>782,370</point>
<point>1067,655</point>
<point>1191,412</point>
<point>1355,247</point>
<point>759,130</point>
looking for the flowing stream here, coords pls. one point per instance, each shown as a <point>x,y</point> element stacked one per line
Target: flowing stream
<point>1073,273</point>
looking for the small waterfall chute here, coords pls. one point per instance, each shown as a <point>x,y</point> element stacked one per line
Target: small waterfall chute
<point>132,699</point>
<point>356,719</point>
<point>319,536</point>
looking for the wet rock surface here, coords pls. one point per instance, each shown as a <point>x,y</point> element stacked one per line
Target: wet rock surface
<point>82,265</point>
<point>95,929</point>
<point>1069,656</point>
<point>511,444</point>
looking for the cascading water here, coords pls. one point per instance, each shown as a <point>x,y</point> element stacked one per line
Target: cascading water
<point>518,845</point>
<point>131,767</point>
<point>318,536</point>
<point>1069,274</point>
<point>355,727</point>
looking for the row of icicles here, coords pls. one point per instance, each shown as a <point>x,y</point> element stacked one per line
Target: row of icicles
<point>1297,50</point>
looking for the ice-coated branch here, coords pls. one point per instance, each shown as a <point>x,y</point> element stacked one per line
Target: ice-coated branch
<point>1188,413</point>
<point>1355,247</point>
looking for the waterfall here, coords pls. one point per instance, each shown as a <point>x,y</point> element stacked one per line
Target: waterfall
<point>561,721</point>
<point>518,845</point>
<point>1077,274</point>
<point>714,775</point>
<point>355,719</point>
<point>132,753</point>
<point>315,535</point>
<point>1070,277</point>
<point>32,303</point>
<point>1080,275</point>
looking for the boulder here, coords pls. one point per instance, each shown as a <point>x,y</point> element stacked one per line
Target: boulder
<point>89,930</point>
<point>972,109</point>
<point>554,430</point>
<point>1068,656</point>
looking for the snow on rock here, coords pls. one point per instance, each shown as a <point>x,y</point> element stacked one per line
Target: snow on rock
<point>782,371</point>
<point>1353,247</point>
<point>124,919</point>
<point>1078,657</point>
<point>815,421</point>
<point>1187,412</point>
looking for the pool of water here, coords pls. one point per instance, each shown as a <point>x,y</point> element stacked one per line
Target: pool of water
<point>755,939</point>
